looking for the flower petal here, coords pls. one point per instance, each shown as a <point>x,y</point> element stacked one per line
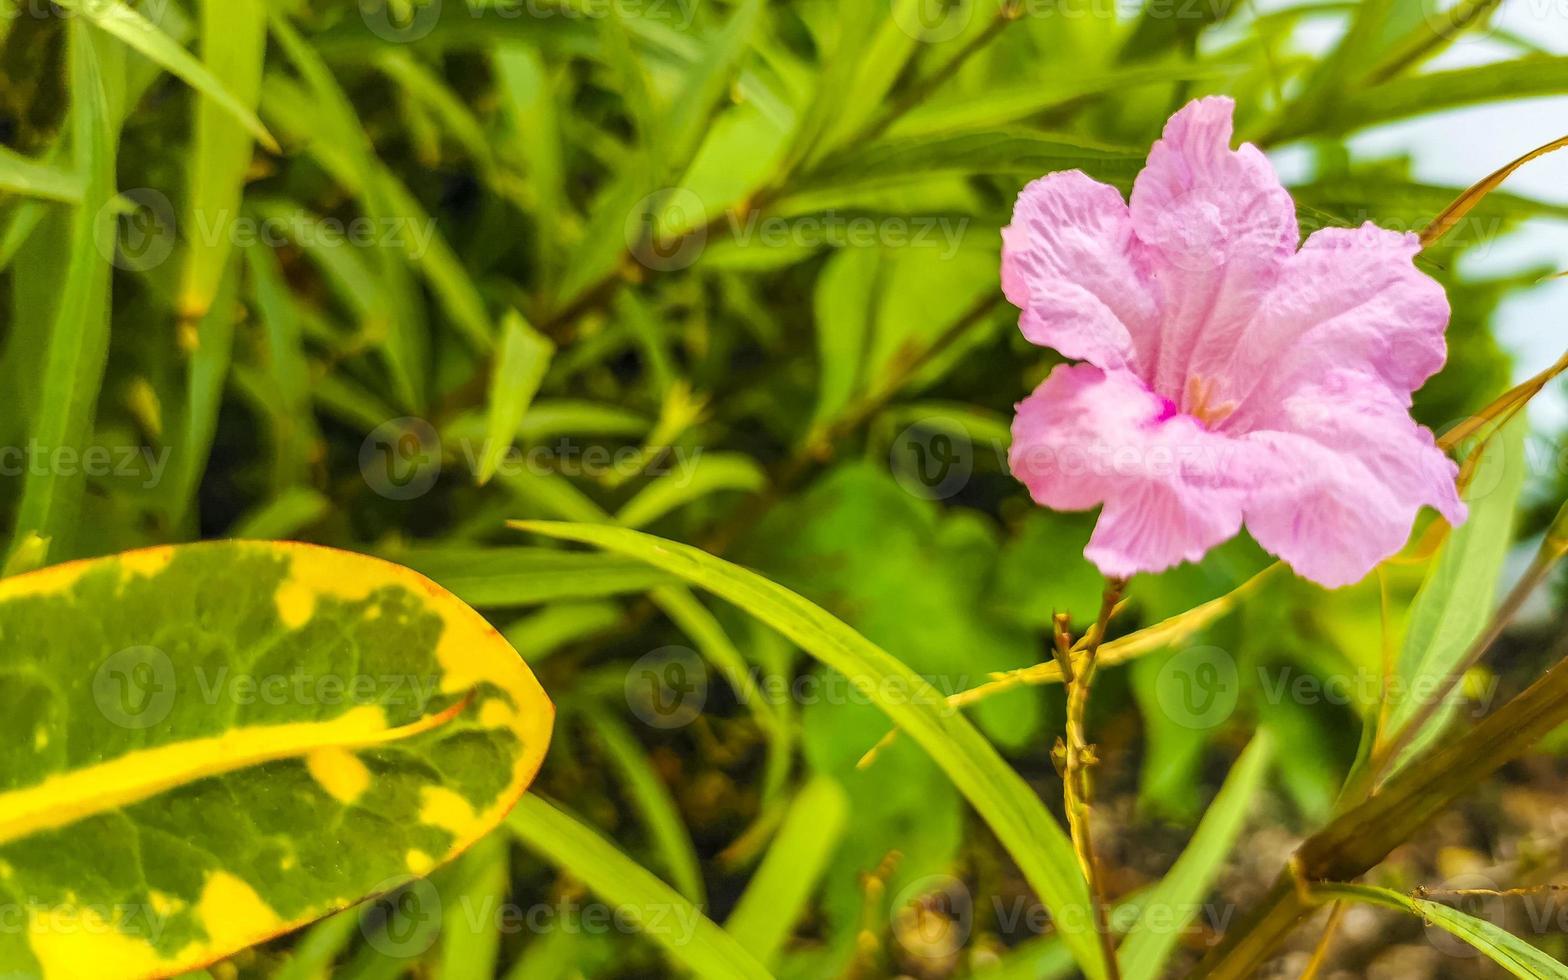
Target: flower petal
<point>1171,489</point>
<point>1351,299</point>
<point>1218,227</point>
<point>1067,262</point>
<point>1345,472</point>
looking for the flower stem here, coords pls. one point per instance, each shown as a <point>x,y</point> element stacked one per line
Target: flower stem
<point>1077,758</point>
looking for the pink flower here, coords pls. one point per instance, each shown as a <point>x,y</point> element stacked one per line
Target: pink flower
<point>1227,376</point>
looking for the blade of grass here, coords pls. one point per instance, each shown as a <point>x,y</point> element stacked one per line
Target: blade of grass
<point>1167,909</point>
<point>30,178</point>
<point>652,799</point>
<point>516,375</point>
<point>997,793</point>
<point>663,915</point>
<point>136,32</point>
<point>233,46</point>
<point>77,345</point>
<point>1500,946</point>
<point>777,896</point>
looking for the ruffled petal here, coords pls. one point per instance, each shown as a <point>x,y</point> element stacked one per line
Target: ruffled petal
<point>1217,227</point>
<point>1067,262</point>
<point>1345,471</point>
<point>1351,299</point>
<point>1171,489</point>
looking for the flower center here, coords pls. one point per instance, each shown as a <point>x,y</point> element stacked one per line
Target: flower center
<point>1199,392</point>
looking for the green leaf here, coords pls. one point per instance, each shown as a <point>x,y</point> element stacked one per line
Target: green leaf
<point>778,894</point>
<point>233,46</point>
<point>26,176</point>
<point>1169,907</point>
<point>693,480</point>
<point>278,730</point>
<point>708,81</point>
<point>135,31</point>
<point>1457,599</point>
<point>663,915</point>
<point>997,793</point>
<point>501,577</point>
<point>1432,92</point>
<point>77,343</point>
<point>1020,152</point>
<point>845,304</point>
<point>1502,947</point>
<point>653,801</point>
<point>519,370</point>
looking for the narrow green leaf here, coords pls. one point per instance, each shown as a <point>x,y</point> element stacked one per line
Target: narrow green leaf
<point>1001,151</point>
<point>78,340</point>
<point>233,47</point>
<point>692,480</point>
<point>663,915</point>
<point>30,178</point>
<point>1432,92</point>
<point>197,700</point>
<point>470,939</point>
<point>1500,946</point>
<point>528,98</point>
<point>654,803</point>
<point>284,516</point>
<point>709,80</point>
<point>845,304</point>
<point>779,893</point>
<point>136,32</point>
<point>519,370</point>
<point>1457,599</point>
<point>538,635</point>
<point>998,794</point>
<point>1166,910</point>
<point>502,577</point>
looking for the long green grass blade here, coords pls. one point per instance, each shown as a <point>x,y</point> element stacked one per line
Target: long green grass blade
<point>1500,946</point>
<point>662,914</point>
<point>519,369</point>
<point>1169,907</point>
<point>116,18</point>
<point>777,895</point>
<point>77,345</point>
<point>998,794</point>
